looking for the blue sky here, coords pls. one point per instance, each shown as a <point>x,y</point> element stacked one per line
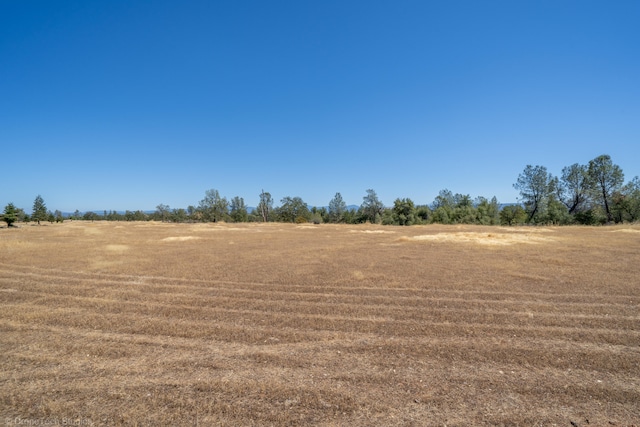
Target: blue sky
<point>124,105</point>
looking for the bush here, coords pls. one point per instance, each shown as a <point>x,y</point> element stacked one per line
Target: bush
<point>589,217</point>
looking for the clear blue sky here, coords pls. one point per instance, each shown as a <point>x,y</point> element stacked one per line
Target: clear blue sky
<point>128,104</point>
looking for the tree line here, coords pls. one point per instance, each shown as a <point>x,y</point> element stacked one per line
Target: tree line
<point>589,194</point>
<point>594,193</point>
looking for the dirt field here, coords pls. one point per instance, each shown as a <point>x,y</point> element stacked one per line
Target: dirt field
<point>223,324</point>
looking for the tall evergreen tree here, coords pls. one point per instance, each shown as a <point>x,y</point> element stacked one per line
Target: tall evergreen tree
<point>371,207</point>
<point>10,214</point>
<point>39,210</point>
<point>337,207</point>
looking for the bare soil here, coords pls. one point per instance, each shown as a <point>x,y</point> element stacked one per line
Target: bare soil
<point>274,324</point>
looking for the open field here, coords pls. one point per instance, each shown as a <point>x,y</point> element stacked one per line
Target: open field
<point>275,324</point>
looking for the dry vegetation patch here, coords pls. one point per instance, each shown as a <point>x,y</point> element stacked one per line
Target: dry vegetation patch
<point>275,324</point>
<point>180,238</point>
<point>372,231</point>
<point>626,230</point>
<point>116,248</point>
<point>483,238</point>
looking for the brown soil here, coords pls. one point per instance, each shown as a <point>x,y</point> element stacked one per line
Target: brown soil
<point>274,324</point>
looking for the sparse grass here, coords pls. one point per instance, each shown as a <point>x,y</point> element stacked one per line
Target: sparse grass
<point>275,324</point>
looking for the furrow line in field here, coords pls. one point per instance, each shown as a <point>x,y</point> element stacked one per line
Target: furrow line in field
<point>176,282</point>
<point>524,351</point>
<point>409,294</point>
<point>201,307</point>
<point>71,338</point>
<point>234,296</point>
<point>381,352</point>
<point>247,320</point>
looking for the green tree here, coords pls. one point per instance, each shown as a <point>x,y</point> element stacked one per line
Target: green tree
<point>140,216</point>
<point>589,217</point>
<point>442,207</point>
<point>90,216</point>
<point>605,179</point>
<point>214,208</point>
<point>350,216</point>
<point>632,194</point>
<point>462,200</point>
<point>444,199</point>
<point>192,212</point>
<point>318,215</point>
<point>487,211</point>
<point>371,207</point>
<point>464,212</point>
<point>626,202</point>
<point>535,185</point>
<point>10,214</point>
<point>162,212</point>
<point>573,188</point>
<point>512,215</point>
<point>59,216</point>
<point>293,209</point>
<point>265,205</point>
<point>423,214</point>
<point>557,212</point>
<point>404,212</point>
<point>442,215</point>
<point>39,210</point>
<point>387,217</point>
<point>179,215</point>
<point>238,210</point>
<point>337,208</point>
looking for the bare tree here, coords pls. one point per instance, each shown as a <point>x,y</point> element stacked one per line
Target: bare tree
<point>265,206</point>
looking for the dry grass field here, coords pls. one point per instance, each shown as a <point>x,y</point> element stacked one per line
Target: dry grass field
<point>274,324</point>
